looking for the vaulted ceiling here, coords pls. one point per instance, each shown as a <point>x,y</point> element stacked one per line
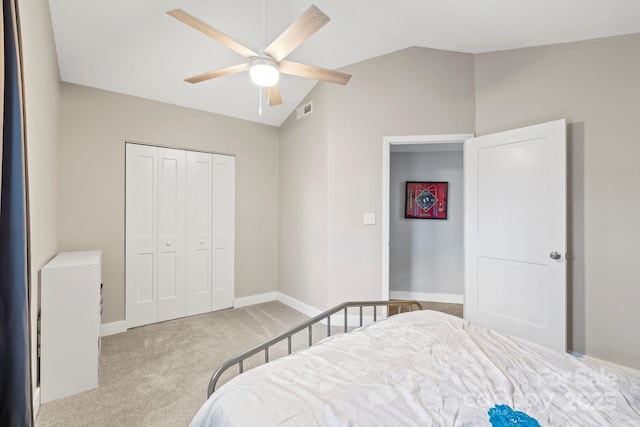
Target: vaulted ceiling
<point>134,47</point>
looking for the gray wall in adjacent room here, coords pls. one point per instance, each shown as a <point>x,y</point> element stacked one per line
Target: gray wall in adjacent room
<point>426,255</point>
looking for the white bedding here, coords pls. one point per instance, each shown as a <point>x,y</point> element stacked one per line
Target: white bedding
<point>425,368</point>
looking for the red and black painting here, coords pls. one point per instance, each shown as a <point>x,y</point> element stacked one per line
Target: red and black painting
<point>426,200</point>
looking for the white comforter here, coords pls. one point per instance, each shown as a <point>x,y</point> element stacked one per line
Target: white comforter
<point>425,368</point>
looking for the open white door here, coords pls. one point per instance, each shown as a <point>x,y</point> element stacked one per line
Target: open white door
<point>515,232</point>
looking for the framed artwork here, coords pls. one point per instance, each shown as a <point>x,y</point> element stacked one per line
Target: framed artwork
<point>426,200</point>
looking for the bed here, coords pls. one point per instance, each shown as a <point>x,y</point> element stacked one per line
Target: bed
<point>425,368</point>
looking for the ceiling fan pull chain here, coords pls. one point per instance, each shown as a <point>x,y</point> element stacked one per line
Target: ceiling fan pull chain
<point>259,101</point>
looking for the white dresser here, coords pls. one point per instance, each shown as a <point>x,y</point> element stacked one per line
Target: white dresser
<point>70,324</point>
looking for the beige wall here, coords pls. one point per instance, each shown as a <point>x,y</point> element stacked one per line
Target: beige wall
<point>413,91</point>
<point>302,254</point>
<point>41,97</point>
<point>595,86</point>
<point>94,127</point>
<point>331,164</point>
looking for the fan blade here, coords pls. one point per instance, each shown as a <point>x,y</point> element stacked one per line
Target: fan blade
<point>217,73</point>
<point>312,72</point>
<point>273,93</point>
<point>303,28</point>
<point>197,24</point>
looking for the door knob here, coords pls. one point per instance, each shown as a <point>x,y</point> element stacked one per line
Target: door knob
<point>555,255</point>
<point>168,243</point>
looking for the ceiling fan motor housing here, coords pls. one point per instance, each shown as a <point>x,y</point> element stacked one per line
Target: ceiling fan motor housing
<point>264,71</point>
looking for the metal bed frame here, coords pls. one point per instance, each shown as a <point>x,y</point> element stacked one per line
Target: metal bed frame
<point>239,359</point>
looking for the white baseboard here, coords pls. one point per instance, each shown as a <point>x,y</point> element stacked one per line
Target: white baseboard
<point>36,402</point>
<point>421,296</point>
<point>113,328</point>
<point>254,299</point>
<point>298,305</point>
<point>336,319</point>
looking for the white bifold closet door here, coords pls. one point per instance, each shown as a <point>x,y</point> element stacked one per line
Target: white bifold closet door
<point>171,233</point>
<point>224,191</point>
<point>199,219</point>
<point>179,233</point>
<point>141,236</point>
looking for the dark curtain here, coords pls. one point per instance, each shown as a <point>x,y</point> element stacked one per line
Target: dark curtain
<point>15,379</point>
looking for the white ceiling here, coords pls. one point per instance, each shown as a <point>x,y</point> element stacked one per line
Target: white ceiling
<point>134,47</point>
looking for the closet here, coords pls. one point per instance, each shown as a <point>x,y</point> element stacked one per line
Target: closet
<point>179,233</point>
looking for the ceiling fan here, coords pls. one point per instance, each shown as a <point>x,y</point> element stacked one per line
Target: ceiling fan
<point>266,65</point>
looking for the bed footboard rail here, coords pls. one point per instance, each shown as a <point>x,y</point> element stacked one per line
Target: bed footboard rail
<point>398,305</point>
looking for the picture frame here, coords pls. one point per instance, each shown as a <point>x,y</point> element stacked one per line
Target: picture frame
<point>426,199</point>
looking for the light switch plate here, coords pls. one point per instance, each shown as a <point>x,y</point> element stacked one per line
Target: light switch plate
<point>369,218</point>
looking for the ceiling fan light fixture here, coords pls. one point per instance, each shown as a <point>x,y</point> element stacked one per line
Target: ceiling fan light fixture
<point>264,72</point>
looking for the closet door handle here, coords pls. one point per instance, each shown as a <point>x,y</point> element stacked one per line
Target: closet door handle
<point>168,243</point>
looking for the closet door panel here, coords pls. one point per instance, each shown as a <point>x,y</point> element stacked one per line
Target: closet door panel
<point>145,268</point>
<point>171,233</point>
<point>223,231</point>
<point>199,210</point>
<point>141,234</point>
<point>179,233</point>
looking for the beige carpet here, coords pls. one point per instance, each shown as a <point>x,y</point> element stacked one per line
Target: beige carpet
<point>157,375</point>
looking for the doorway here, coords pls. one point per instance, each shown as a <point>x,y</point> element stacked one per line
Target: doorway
<point>416,158</point>
<point>515,223</point>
